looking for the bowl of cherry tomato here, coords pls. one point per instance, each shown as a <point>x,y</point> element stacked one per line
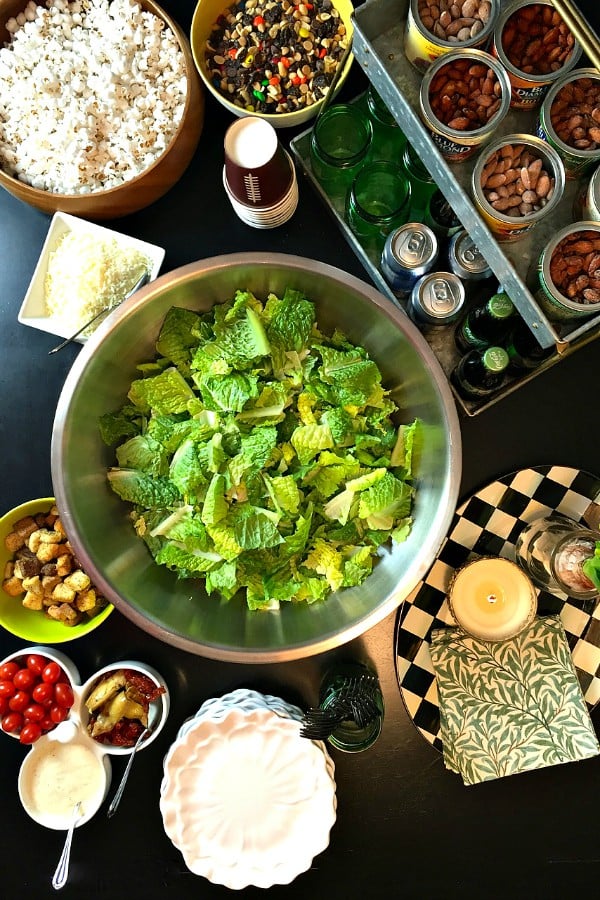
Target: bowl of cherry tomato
<point>37,692</point>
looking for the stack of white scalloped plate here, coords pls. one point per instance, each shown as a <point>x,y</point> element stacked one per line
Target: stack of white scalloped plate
<point>245,799</point>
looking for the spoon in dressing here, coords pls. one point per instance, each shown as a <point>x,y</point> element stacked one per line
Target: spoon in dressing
<point>62,870</point>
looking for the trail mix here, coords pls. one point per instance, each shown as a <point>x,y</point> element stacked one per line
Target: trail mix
<point>275,57</point>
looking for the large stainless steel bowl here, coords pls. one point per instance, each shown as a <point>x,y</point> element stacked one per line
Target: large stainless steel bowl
<point>180,612</point>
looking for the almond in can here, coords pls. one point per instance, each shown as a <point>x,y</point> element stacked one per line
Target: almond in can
<point>536,47</point>
<point>569,120</point>
<point>463,98</point>
<point>432,31</point>
<point>516,182</point>
<point>569,273</point>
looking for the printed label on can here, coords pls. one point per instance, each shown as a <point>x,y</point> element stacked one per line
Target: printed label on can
<point>524,94</point>
<point>451,150</point>
<point>590,198</point>
<point>549,299</point>
<point>574,164</point>
<point>504,231</point>
<point>419,50</point>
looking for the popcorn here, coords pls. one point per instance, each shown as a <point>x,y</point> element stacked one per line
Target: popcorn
<point>91,94</point>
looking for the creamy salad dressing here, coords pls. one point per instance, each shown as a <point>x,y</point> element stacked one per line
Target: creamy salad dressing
<point>61,774</point>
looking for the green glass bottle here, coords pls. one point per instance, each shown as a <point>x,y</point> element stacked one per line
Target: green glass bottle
<point>524,352</point>
<point>486,324</point>
<point>480,372</point>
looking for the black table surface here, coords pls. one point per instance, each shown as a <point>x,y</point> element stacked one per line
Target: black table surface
<point>406,827</point>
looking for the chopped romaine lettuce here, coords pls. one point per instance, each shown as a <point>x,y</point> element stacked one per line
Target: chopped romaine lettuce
<point>261,455</point>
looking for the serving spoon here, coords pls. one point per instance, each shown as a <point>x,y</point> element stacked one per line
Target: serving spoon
<point>61,874</point>
<point>139,283</point>
<point>141,737</point>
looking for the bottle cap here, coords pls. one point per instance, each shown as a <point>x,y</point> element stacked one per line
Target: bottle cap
<point>501,306</point>
<point>495,359</point>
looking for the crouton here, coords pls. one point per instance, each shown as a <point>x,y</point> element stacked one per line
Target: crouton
<point>14,541</point>
<point>12,586</point>
<point>49,537</point>
<point>62,593</point>
<point>64,564</point>
<point>86,600</point>
<point>49,582</point>
<point>60,528</point>
<point>77,580</point>
<point>33,601</point>
<point>33,584</point>
<point>47,552</point>
<point>27,567</point>
<point>65,613</point>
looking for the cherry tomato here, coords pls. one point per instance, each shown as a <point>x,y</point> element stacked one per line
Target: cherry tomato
<point>30,733</point>
<point>7,689</point>
<point>58,714</point>
<point>34,712</point>
<point>12,722</point>
<point>24,680</point>
<point>3,705</point>
<point>43,692</point>
<point>46,724</point>
<point>36,663</point>
<point>51,673</point>
<point>63,695</point>
<point>19,701</point>
<point>8,671</point>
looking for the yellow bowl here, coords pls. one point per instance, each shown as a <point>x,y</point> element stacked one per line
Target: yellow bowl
<point>26,623</point>
<point>139,192</point>
<point>205,16</point>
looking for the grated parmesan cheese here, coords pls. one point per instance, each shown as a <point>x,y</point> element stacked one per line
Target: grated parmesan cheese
<point>85,275</point>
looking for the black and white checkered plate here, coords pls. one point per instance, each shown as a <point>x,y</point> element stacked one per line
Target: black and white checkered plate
<point>488,525</point>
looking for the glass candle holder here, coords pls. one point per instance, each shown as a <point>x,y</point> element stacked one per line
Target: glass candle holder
<point>377,202</point>
<point>340,141</point>
<point>357,680</point>
<point>552,550</point>
<point>492,598</point>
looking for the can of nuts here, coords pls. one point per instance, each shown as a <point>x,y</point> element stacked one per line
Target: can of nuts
<point>587,201</point>
<point>569,273</point>
<point>569,119</point>
<point>466,260</point>
<point>535,46</point>
<point>464,95</point>
<point>519,180</point>
<point>430,31</point>
<point>408,253</point>
<point>437,299</point>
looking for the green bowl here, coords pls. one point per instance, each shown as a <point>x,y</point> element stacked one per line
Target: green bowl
<point>26,623</point>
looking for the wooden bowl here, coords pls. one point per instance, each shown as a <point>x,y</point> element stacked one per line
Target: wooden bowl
<point>156,180</point>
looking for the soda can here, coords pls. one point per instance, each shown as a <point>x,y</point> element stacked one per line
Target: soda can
<point>437,299</point>
<point>466,260</point>
<point>409,252</point>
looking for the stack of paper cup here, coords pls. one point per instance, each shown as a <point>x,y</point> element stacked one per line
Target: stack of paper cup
<point>259,175</point>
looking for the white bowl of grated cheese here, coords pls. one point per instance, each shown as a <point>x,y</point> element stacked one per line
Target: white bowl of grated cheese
<point>102,106</point>
<point>83,267</point>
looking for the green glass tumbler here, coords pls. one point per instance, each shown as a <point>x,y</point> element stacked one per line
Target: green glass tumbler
<point>389,140</point>
<point>422,183</point>
<point>339,144</point>
<point>377,202</point>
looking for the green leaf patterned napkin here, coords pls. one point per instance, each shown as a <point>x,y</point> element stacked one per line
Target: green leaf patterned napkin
<point>510,706</point>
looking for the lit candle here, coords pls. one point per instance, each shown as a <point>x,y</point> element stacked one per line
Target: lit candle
<point>492,598</point>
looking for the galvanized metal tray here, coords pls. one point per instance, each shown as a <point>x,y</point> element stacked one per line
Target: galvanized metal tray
<point>440,339</point>
<point>379,49</point>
